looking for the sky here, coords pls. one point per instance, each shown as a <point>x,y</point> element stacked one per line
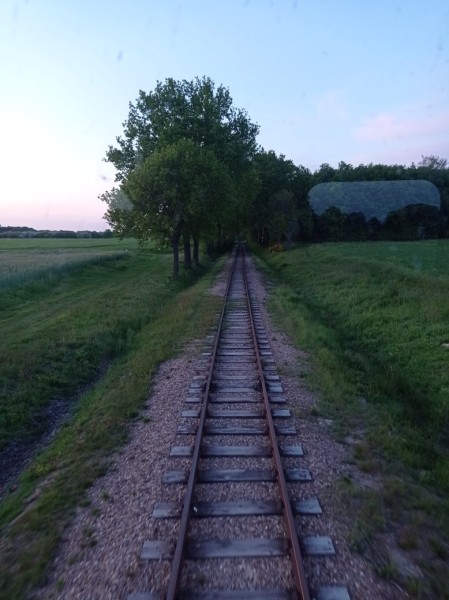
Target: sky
<point>358,81</point>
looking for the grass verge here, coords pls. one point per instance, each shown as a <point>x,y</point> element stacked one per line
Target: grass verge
<point>376,331</point>
<point>33,516</point>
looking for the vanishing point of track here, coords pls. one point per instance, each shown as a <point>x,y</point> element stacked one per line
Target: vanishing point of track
<point>240,373</point>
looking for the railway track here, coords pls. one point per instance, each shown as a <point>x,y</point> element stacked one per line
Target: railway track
<point>237,525</point>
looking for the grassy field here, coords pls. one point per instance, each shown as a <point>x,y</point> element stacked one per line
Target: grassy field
<point>59,326</point>
<point>26,260</point>
<point>430,257</point>
<point>375,318</point>
<point>95,334</point>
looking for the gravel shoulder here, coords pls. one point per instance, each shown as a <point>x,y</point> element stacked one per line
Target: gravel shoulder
<point>99,554</point>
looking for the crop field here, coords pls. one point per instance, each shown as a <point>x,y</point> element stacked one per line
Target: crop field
<point>26,260</point>
<point>374,318</point>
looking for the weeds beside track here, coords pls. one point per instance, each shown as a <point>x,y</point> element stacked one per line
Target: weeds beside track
<point>375,320</point>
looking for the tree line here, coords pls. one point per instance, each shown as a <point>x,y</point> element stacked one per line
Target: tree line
<point>283,210</point>
<point>11,231</point>
<point>189,170</point>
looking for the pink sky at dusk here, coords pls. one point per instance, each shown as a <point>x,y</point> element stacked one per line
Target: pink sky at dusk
<point>327,82</point>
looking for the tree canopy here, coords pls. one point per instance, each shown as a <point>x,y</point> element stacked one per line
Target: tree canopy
<point>194,110</point>
<point>279,209</point>
<point>373,201</point>
<point>175,191</point>
<point>183,134</point>
<point>188,167</point>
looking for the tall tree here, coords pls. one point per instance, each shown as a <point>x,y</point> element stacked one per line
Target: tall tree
<point>273,205</point>
<point>185,110</point>
<point>173,190</point>
<point>301,186</point>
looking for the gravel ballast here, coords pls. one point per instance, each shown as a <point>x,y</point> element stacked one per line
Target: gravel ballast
<point>99,557</point>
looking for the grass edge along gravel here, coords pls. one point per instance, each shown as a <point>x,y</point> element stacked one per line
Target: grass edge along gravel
<point>409,508</point>
<point>34,516</point>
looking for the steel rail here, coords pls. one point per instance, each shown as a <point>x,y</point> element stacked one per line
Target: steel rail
<point>289,520</point>
<point>178,557</point>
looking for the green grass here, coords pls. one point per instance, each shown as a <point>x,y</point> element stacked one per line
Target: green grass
<point>127,314</point>
<point>385,322</point>
<point>430,257</point>
<point>28,260</point>
<point>376,326</point>
<point>61,244</point>
<point>57,333</point>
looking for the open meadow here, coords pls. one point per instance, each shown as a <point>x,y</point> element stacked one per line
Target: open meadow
<point>374,318</point>
<point>27,259</point>
<point>83,340</point>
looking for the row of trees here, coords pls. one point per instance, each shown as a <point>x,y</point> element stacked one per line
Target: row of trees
<point>418,220</point>
<point>189,169</point>
<point>11,231</point>
<point>282,207</point>
<point>184,167</point>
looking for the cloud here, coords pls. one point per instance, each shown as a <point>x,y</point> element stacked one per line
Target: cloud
<point>385,127</point>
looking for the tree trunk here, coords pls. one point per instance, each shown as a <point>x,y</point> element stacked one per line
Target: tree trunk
<point>175,246</point>
<point>187,253</point>
<point>196,251</point>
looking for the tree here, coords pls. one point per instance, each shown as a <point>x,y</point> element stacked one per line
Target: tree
<point>330,225</point>
<point>324,174</point>
<point>273,203</point>
<point>355,226</point>
<point>301,186</point>
<point>284,224</point>
<point>173,112</point>
<point>184,109</point>
<point>433,162</point>
<point>436,170</point>
<point>173,191</point>
<point>119,213</point>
